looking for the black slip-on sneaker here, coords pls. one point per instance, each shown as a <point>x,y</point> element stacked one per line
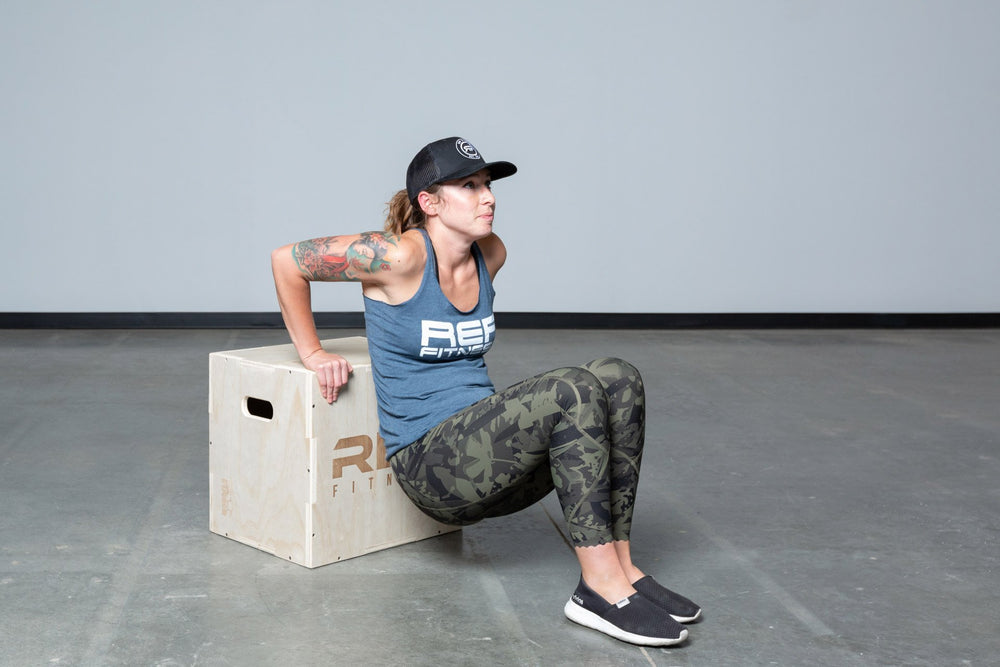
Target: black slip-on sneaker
<point>678,606</point>
<point>635,619</point>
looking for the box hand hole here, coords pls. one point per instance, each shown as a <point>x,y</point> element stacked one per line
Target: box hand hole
<point>258,407</point>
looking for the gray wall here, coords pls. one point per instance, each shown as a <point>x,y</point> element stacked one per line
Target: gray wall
<point>789,156</point>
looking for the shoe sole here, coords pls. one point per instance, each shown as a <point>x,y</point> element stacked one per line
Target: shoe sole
<point>686,619</point>
<point>589,619</point>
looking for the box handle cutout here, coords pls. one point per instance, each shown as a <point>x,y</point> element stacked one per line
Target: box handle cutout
<point>258,407</point>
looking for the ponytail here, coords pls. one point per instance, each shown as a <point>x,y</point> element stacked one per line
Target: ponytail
<point>402,214</point>
<point>399,213</point>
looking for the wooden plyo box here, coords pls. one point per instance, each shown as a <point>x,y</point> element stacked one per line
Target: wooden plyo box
<point>295,476</point>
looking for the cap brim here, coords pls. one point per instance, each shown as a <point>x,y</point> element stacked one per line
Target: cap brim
<point>501,169</point>
<point>497,170</point>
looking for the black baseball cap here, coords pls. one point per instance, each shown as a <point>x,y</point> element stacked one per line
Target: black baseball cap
<point>447,159</point>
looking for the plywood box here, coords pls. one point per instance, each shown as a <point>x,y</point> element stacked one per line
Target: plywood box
<point>295,476</point>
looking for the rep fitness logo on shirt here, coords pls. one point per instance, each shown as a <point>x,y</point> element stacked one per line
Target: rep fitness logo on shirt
<point>447,340</point>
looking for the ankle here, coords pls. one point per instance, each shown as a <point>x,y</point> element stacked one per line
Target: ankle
<point>633,573</point>
<point>601,568</point>
<point>612,588</point>
<point>624,553</point>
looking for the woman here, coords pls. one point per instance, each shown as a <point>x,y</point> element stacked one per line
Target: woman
<point>460,450</point>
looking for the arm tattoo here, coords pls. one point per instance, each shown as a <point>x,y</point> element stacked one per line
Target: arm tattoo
<point>327,258</point>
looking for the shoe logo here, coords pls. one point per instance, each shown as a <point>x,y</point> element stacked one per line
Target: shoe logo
<point>577,599</point>
<point>622,603</point>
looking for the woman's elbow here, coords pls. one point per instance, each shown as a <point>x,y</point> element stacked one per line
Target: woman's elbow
<point>280,258</point>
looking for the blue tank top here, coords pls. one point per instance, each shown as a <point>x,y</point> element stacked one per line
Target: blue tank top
<point>427,355</point>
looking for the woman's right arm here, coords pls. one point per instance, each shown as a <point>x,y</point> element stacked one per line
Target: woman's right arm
<point>364,258</point>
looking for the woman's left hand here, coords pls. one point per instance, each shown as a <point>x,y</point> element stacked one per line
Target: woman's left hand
<point>332,372</point>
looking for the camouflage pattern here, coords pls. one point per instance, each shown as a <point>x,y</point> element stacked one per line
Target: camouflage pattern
<point>578,430</point>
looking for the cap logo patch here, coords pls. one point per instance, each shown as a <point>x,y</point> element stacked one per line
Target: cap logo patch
<point>467,149</point>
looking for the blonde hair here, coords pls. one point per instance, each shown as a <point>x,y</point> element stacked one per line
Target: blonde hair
<point>403,215</point>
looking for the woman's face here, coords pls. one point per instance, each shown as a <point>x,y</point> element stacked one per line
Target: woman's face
<point>467,204</point>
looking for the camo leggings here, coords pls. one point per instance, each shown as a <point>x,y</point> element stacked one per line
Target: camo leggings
<point>578,430</point>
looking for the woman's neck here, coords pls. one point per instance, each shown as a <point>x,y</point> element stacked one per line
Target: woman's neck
<point>452,251</point>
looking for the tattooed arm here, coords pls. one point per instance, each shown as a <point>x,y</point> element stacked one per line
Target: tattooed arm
<point>345,257</point>
<point>375,259</point>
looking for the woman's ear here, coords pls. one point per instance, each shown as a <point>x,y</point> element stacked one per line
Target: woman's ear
<point>427,203</point>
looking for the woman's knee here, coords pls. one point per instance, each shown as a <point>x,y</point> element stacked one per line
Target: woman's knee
<point>576,386</point>
<point>617,374</point>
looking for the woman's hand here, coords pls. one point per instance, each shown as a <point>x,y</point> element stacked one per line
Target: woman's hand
<point>332,371</point>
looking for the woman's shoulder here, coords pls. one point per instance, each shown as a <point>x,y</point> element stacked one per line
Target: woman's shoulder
<point>404,261</point>
<point>494,253</point>
<point>411,249</point>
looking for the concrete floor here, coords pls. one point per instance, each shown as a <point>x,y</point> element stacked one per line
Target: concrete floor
<point>829,497</point>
